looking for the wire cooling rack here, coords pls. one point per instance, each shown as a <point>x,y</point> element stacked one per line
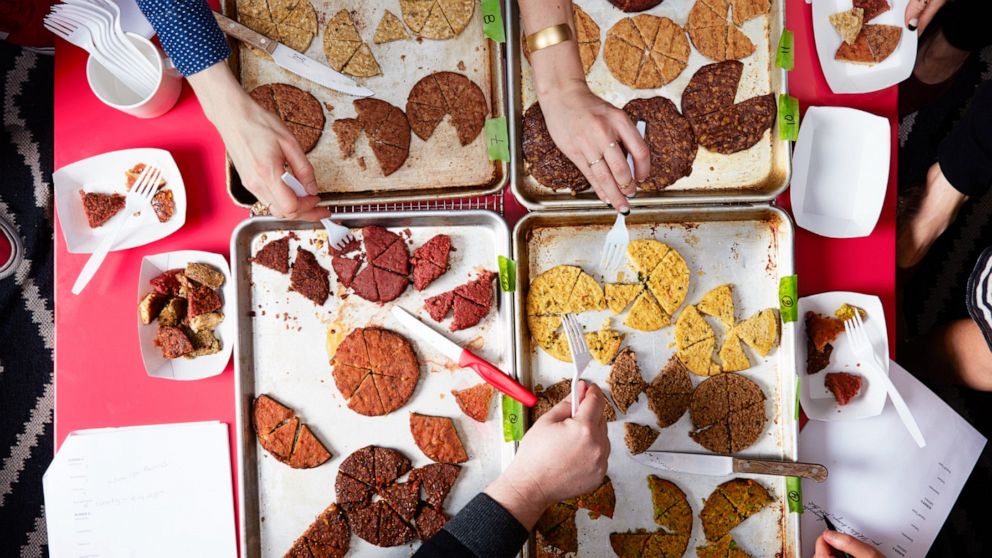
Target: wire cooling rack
<point>492,203</point>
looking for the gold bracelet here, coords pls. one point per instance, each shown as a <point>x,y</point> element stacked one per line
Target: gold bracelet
<point>549,36</point>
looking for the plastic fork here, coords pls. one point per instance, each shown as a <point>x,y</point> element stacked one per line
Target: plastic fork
<point>80,36</point>
<point>114,42</point>
<point>580,354</point>
<point>138,199</point>
<point>618,238</point>
<point>113,13</point>
<point>338,236</point>
<point>858,337</point>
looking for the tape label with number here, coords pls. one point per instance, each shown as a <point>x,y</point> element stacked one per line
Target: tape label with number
<point>787,298</point>
<point>497,139</point>
<point>507,274</point>
<point>513,419</point>
<point>492,21</point>
<point>788,117</point>
<point>785,58</point>
<point>794,488</point>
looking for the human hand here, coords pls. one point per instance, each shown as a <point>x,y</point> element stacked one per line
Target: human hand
<point>919,13</point>
<point>587,130</point>
<point>829,542</point>
<point>259,144</point>
<point>560,457</point>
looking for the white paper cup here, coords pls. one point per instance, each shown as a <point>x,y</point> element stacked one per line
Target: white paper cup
<point>115,94</point>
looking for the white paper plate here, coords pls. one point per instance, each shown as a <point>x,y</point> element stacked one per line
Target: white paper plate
<point>181,368</point>
<point>816,399</point>
<point>840,171</point>
<point>105,173</point>
<point>844,77</point>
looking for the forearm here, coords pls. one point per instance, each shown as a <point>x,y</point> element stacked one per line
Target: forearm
<point>188,33</point>
<point>558,66</point>
<point>484,528</point>
<point>218,91</point>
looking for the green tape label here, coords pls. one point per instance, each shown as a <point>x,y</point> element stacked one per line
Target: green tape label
<point>788,301</point>
<point>513,419</point>
<point>497,139</point>
<point>794,488</point>
<point>492,21</point>
<point>785,58</point>
<point>507,274</point>
<point>788,117</point>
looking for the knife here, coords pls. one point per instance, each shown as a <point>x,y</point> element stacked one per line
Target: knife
<point>293,61</point>
<point>465,358</point>
<point>720,465</point>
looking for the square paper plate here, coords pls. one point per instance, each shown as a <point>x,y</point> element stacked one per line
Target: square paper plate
<point>844,77</point>
<point>182,368</point>
<point>816,399</point>
<point>105,173</point>
<point>840,171</point>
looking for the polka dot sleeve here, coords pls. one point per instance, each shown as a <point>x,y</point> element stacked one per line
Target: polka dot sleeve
<point>188,32</point>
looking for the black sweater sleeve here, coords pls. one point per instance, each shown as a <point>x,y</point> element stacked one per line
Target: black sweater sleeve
<point>483,529</point>
<point>966,154</point>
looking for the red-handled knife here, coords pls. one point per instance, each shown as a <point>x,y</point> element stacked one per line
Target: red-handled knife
<point>465,358</point>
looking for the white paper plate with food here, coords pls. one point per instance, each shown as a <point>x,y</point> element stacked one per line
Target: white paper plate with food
<point>104,181</point>
<point>840,171</point>
<point>829,370</point>
<point>185,314</point>
<point>881,51</point>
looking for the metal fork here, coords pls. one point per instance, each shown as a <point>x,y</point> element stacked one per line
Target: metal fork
<point>858,337</point>
<point>338,236</point>
<point>618,238</point>
<point>580,353</point>
<point>138,199</point>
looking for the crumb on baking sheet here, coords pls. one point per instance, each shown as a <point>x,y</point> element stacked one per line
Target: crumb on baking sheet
<point>461,65</point>
<point>361,163</point>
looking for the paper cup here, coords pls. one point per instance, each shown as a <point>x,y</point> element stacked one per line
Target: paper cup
<point>115,94</point>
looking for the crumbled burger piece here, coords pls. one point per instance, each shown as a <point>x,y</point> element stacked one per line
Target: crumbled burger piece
<point>274,255</point>
<point>625,380</point>
<point>99,208</point>
<point>475,401</point>
<point>309,278</point>
<point>151,306</point>
<point>844,386</point>
<point>173,342</point>
<point>638,437</point>
<point>437,438</point>
<point>204,274</point>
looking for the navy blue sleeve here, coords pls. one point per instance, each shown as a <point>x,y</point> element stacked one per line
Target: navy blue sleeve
<point>483,529</point>
<point>188,32</point>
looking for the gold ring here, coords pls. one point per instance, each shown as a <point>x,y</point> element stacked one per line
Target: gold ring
<point>597,161</point>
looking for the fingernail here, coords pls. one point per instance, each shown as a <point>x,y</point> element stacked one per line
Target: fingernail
<point>609,204</point>
<point>625,212</point>
<point>913,23</point>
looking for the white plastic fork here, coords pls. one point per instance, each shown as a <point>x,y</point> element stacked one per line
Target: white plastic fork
<point>138,199</point>
<point>615,245</point>
<point>858,337</point>
<point>115,44</point>
<point>580,354</point>
<point>338,236</point>
<point>113,14</point>
<point>81,37</point>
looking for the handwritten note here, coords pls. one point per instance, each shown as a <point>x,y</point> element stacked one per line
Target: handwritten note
<point>150,491</point>
<point>882,488</point>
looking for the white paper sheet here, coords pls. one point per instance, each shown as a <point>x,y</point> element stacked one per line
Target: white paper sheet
<point>882,488</point>
<point>144,491</point>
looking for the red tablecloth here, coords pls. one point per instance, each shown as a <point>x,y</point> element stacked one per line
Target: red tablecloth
<point>99,377</point>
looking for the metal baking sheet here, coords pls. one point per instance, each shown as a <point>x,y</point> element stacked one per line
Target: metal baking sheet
<point>749,246</point>
<point>756,174</point>
<point>282,351</point>
<point>438,168</point>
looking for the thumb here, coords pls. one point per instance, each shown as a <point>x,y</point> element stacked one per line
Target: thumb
<point>300,165</point>
<point>913,11</point>
<point>591,408</point>
<point>563,409</point>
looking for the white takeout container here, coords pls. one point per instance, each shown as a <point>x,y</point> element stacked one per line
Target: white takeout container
<point>115,94</point>
<point>845,77</point>
<point>105,173</point>
<point>817,401</point>
<point>182,368</point>
<point>840,171</point>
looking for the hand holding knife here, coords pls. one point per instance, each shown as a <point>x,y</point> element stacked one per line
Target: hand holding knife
<point>292,60</point>
<point>465,358</point>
